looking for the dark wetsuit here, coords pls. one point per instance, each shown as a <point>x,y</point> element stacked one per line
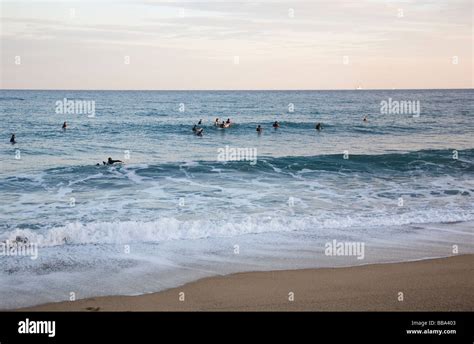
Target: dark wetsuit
<point>111,162</point>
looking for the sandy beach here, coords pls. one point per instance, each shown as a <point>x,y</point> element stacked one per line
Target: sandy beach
<point>444,284</point>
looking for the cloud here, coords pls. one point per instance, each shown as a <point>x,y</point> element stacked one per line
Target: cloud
<point>260,32</point>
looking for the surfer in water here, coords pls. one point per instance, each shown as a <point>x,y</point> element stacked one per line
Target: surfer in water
<point>259,129</point>
<point>319,127</point>
<point>110,161</point>
<point>200,121</point>
<point>195,128</point>
<point>216,122</point>
<point>199,132</point>
<point>228,121</point>
<point>12,139</point>
<point>276,125</point>
<point>64,126</point>
<point>365,119</point>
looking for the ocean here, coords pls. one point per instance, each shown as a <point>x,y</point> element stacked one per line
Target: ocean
<point>400,183</point>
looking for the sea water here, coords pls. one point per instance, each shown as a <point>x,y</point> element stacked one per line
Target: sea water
<point>401,183</point>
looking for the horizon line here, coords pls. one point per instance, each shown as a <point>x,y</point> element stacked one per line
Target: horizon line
<point>232,90</point>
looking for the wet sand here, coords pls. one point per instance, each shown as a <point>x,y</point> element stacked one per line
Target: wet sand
<point>444,284</point>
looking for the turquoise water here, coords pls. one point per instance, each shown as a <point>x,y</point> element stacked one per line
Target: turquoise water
<point>179,211</point>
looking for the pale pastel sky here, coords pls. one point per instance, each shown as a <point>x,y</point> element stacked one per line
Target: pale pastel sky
<point>330,44</point>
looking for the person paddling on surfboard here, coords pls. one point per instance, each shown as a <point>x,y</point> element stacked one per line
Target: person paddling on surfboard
<point>110,161</point>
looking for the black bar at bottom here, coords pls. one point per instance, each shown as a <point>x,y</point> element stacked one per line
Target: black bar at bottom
<point>403,327</point>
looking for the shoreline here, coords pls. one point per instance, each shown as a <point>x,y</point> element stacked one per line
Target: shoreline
<point>439,284</point>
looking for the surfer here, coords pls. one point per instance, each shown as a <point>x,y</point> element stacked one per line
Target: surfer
<point>200,121</point>
<point>64,126</point>
<point>259,129</point>
<point>110,161</point>
<point>195,128</point>
<point>228,121</point>
<point>199,132</point>
<point>319,127</point>
<point>365,119</point>
<point>12,139</point>
<point>216,122</point>
<point>276,125</point>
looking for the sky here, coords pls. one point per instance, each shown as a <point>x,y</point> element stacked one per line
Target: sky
<point>213,45</point>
